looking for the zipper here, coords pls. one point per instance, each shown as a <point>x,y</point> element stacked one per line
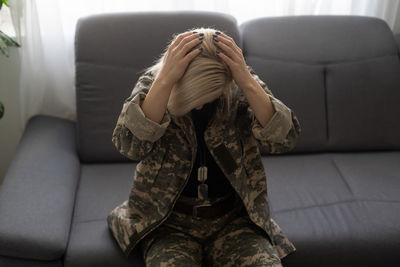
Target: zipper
<point>223,170</point>
<point>171,209</point>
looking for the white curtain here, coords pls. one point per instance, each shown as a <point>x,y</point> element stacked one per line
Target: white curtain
<point>45,29</point>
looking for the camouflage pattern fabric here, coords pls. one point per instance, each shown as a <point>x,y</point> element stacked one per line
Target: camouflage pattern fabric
<point>230,240</point>
<point>166,154</point>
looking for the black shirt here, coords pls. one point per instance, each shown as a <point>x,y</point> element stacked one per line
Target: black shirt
<point>218,184</point>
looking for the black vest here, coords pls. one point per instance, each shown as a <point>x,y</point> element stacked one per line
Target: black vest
<point>218,184</point>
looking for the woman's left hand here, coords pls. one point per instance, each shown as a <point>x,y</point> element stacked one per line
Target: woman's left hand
<point>233,57</point>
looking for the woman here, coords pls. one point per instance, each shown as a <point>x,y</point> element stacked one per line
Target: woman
<point>199,193</point>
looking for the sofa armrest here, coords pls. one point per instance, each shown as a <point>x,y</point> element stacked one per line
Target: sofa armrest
<point>38,192</point>
<point>397,38</point>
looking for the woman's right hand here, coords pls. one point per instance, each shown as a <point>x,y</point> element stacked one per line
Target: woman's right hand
<point>177,57</point>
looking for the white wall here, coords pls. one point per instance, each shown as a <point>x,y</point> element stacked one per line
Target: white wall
<point>10,133</point>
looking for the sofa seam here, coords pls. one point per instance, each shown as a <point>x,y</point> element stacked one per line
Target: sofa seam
<point>326,102</point>
<point>342,176</point>
<point>334,203</point>
<point>324,63</point>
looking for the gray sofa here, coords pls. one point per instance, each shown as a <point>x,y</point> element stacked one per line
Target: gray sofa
<point>336,195</point>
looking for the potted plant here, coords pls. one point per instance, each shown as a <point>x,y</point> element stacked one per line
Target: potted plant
<point>5,42</point>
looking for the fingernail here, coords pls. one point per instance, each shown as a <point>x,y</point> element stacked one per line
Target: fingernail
<point>194,32</point>
<point>201,37</point>
<point>201,49</point>
<point>217,51</point>
<point>201,34</point>
<point>217,33</point>
<point>215,40</point>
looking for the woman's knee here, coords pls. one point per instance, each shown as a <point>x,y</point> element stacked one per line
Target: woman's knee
<point>241,244</point>
<point>172,249</point>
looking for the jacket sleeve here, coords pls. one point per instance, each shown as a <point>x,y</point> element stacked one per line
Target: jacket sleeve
<point>282,130</point>
<point>135,135</point>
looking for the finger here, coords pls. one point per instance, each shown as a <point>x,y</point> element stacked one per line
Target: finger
<point>192,45</point>
<point>179,38</point>
<point>226,59</point>
<point>231,52</point>
<point>229,40</point>
<point>185,43</point>
<point>192,54</point>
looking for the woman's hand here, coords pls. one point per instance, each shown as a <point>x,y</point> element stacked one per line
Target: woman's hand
<point>178,57</point>
<point>233,56</point>
<point>257,97</point>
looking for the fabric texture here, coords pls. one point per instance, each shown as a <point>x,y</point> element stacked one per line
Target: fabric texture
<point>228,240</point>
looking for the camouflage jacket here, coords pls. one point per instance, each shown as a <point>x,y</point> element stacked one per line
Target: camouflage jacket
<point>166,154</point>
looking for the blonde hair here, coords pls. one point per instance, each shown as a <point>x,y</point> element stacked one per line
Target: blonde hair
<point>206,78</point>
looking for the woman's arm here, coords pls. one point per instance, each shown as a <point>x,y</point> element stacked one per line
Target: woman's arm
<point>155,103</point>
<point>259,101</point>
<point>135,135</point>
<point>280,133</point>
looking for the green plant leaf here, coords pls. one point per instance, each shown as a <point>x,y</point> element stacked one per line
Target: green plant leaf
<point>5,2</point>
<point>4,48</point>
<point>8,40</point>
<point>1,3</point>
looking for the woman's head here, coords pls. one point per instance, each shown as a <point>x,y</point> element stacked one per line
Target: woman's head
<point>206,78</point>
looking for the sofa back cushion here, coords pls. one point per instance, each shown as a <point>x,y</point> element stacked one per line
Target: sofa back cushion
<point>111,51</point>
<point>339,74</point>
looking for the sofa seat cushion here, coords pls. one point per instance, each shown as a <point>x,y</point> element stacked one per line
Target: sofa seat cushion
<point>337,208</point>
<point>102,187</point>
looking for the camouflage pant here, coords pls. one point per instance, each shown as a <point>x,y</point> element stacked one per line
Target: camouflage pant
<point>230,240</point>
